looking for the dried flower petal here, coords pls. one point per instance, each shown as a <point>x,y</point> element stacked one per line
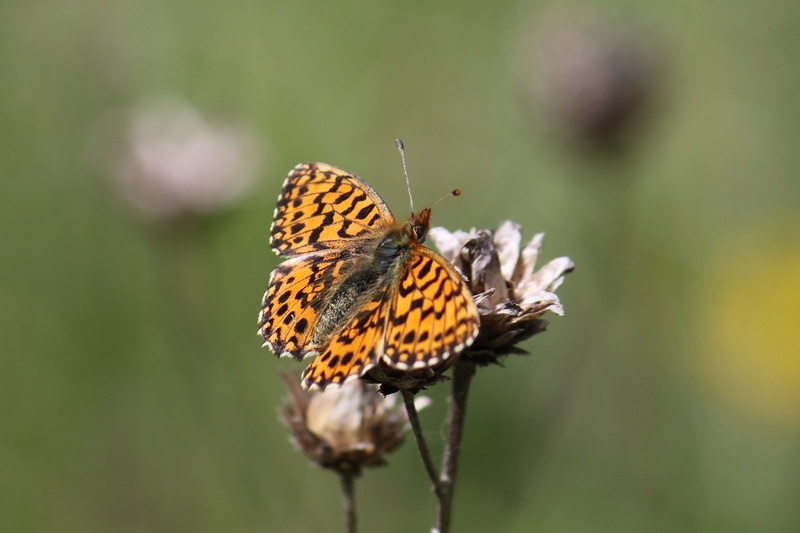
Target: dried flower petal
<point>506,240</point>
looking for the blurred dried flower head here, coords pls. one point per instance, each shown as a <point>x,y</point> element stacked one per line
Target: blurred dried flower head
<point>172,163</point>
<point>345,428</point>
<point>511,296</point>
<point>590,77</point>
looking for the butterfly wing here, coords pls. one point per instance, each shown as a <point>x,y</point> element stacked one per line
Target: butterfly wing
<point>323,214</point>
<point>322,207</point>
<point>432,316</point>
<point>289,310</point>
<point>422,320</point>
<point>355,349</point>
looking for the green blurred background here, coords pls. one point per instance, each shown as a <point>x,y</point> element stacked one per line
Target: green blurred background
<point>135,396</point>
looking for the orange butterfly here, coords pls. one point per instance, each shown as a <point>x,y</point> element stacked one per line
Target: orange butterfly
<point>358,288</point>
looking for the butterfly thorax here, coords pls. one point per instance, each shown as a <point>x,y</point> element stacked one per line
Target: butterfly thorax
<point>382,260</point>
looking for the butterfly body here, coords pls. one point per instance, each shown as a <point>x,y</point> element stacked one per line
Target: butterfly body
<point>359,288</point>
<point>380,264</point>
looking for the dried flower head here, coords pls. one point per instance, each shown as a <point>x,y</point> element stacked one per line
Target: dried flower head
<point>344,428</point>
<point>170,163</point>
<point>511,297</point>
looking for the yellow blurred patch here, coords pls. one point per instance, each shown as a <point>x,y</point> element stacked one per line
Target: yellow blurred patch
<point>750,326</point>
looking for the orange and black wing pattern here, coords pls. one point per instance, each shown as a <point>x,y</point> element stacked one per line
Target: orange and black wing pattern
<point>422,318</point>
<point>322,207</point>
<point>298,287</point>
<point>432,316</point>
<point>329,299</point>
<point>354,350</point>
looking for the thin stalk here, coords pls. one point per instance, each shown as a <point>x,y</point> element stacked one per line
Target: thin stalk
<point>349,501</point>
<point>463,372</point>
<point>424,451</point>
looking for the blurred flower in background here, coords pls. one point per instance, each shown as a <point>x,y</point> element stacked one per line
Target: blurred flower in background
<point>345,428</point>
<point>511,296</point>
<point>588,77</point>
<point>169,162</point>
<point>749,327</point>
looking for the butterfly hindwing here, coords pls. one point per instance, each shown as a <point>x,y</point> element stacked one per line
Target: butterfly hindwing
<point>297,288</point>
<point>356,348</point>
<point>424,318</point>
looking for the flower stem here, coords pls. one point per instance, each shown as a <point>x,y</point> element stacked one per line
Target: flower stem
<point>349,501</point>
<point>463,372</point>
<point>424,452</point>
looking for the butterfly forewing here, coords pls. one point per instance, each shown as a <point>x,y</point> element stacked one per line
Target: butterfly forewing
<point>322,207</point>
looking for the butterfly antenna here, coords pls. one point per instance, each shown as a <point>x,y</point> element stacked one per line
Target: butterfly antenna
<point>454,192</point>
<point>402,149</point>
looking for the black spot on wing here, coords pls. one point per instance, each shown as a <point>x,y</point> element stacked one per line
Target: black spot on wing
<point>426,268</point>
<point>365,211</point>
<point>354,202</point>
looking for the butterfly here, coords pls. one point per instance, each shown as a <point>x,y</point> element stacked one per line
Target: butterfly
<point>358,287</point>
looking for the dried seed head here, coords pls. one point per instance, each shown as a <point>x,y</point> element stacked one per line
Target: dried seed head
<point>344,428</point>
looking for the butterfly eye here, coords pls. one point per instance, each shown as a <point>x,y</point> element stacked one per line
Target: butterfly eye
<point>419,232</point>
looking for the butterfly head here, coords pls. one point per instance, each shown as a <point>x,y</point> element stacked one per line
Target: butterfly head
<point>419,224</point>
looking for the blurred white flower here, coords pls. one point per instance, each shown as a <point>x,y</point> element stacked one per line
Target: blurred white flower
<point>171,162</point>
